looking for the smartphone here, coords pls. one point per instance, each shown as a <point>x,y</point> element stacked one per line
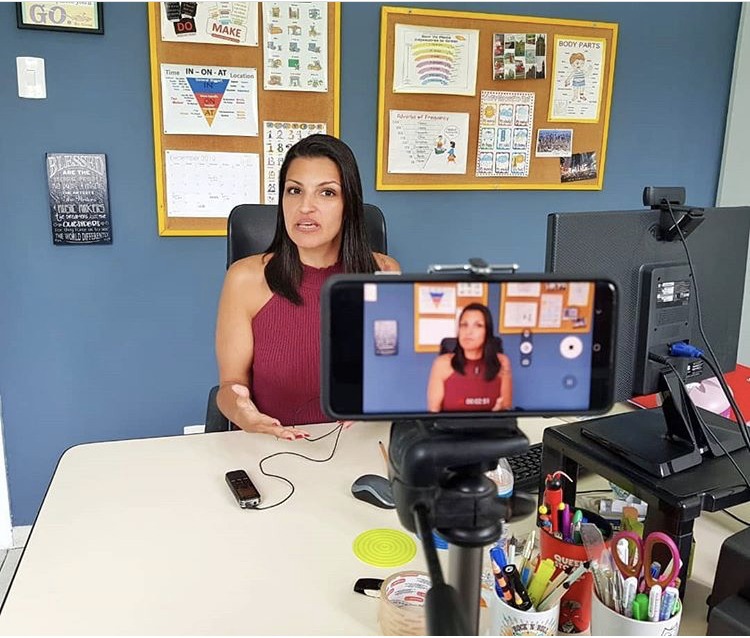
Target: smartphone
<point>415,346</point>
<point>242,487</point>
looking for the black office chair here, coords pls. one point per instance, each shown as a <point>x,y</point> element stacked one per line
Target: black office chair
<point>250,229</point>
<point>448,344</point>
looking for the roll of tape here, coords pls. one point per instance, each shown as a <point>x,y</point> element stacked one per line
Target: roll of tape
<point>402,597</point>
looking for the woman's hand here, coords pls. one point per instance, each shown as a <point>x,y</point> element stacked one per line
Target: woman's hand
<point>252,420</point>
<point>498,404</point>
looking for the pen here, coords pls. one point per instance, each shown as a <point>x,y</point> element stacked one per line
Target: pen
<point>667,603</point>
<point>565,522</point>
<point>628,596</point>
<point>557,581</point>
<point>521,598</point>
<point>577,517</point>
<point>384,453</point>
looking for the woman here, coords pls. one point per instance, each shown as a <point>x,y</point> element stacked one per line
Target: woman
<point>475,377</point>
<point>268,324</point>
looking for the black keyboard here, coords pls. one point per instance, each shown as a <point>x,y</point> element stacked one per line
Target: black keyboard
<point>527,469</point>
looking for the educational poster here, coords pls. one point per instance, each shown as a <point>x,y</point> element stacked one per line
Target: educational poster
<point>505,134</point>
<point>295,46</point>
<point>519,56</point>
<point>79,198</point>
<point>427,142</point>
<point>209,100</point>
<point>554,142</point>
<point>203,184</point>
<point>278,138</point>
<point>437,300</point>
<point>548,307</point>
<point>210,22</point>
<point>435,60</point>
<point>578,166</point>
<point>576,92</point>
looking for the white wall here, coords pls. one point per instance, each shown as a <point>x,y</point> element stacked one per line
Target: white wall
<point>734,185</point>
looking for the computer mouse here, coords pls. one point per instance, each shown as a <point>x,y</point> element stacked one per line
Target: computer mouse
<point>375,490</point>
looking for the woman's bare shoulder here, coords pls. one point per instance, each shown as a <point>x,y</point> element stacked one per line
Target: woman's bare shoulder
<point>246,279</point>
<point>386,263</point>
<point>443,363</point>
<point>504,360</point>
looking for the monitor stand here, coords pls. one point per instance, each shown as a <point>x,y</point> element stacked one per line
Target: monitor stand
<point>668,439</point>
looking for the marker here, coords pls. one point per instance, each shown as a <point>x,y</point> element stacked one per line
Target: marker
<point>667,603</point>
<point>654,603</point>
<point>577,517</point>
<point>628,595</point>
<point>541,580</point>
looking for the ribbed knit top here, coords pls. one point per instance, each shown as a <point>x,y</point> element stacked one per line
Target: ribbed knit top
<point>285,377</point>
<point>470,392</point>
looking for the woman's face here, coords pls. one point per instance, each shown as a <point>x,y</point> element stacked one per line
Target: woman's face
<point>313,202</point>
<point>472,330</point>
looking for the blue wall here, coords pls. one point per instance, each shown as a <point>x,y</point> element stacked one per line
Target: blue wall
<point>114,342</point>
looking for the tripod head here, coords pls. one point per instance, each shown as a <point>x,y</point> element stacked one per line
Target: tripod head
<point>437,474</point>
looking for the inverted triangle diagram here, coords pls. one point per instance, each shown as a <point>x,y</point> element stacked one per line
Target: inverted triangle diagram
<point>209,94</point>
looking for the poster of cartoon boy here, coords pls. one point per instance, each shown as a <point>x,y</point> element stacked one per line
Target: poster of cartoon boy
<point>578,79</point>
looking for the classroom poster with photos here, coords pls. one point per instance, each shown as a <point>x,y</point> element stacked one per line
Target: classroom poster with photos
<point>278,138</point>
<point>505,134</point>
<point>519,56</point>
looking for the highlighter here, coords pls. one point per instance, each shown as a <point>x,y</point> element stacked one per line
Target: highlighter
<point>540,580</point>
<point>640,607</point>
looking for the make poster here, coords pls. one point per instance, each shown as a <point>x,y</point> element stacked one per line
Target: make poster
<point>519,56</point>
<point>435,60</point>
<point>505,134</point>
<point>202,184</point>
<point>278,138</point>
<point>427,142</point>
<point>295,46</point>
<point>210,22</point>
<point>577,79</point>
<point>209,100</point>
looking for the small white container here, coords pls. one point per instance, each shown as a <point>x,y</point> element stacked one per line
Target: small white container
<point>607,622</point>
<point>509,621</point>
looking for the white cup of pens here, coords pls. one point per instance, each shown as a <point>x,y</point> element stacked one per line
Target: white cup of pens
<point>634,594</point>
<point>527,597</point>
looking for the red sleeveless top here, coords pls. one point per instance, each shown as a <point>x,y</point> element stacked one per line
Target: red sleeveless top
<point>285,375</point>
<point>470,392</point>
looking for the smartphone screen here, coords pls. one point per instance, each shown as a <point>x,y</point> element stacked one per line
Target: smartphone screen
<point>401,346</point>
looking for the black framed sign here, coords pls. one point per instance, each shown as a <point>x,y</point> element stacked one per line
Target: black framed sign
<point>81,17</point>
<point>79,198</point>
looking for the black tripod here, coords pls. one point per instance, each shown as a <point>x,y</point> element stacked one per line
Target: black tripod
<point>437,473</point>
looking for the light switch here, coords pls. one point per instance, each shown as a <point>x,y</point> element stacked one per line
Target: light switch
<point>31,81</point>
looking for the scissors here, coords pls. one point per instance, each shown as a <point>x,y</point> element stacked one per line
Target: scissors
<point>639,561</point>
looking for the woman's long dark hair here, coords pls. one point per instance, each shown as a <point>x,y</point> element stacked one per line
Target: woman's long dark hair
<point>284,269</point>
<point>489,350</point>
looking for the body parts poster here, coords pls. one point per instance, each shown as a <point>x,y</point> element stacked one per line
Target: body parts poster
<point>203,184</point>
<point>505,134</point>
<point>79,198</point>
<point>210,22</point>
<point>278,138</point>
<point>577,79</point>
<point>427,142</point>
<point>295,46</point>
<point>519,56</point>
<point>435,60</point>
<point>209,100</point>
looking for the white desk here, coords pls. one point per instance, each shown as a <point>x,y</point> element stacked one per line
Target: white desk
<point>144,537</point>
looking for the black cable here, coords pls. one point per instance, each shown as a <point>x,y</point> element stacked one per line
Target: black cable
<point>699,314</point>
<point>736,518</point>
<point>338,429</point>
<point>428,545</point>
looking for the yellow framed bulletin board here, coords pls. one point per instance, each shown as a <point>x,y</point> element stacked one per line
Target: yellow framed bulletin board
<point>232,89</point>
<point>436,310</point>
<point>546,307</point>
<point>477,101</point>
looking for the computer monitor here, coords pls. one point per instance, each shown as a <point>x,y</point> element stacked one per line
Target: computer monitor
<point>657,307</point>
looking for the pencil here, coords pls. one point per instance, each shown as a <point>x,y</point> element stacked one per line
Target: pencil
<point>384,453</point>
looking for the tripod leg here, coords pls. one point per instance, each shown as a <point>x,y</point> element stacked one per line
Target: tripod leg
<point>465,574</point>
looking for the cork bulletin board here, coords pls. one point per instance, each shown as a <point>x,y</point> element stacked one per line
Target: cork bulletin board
<point>301,39</point>
<point>476,101</point>
<point>436,310</point>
